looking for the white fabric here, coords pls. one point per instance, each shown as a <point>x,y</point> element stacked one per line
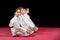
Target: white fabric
<point>23,24</point>
<point>27,20</point>
<point>13,32</point>
<point>16,22</point>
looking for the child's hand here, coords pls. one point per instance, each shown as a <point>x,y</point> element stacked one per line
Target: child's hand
<point>35,28</point>
<point>29,31</point>
<point>31,28</point>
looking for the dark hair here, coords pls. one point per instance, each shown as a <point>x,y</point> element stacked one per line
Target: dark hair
<point>26,8</point>
<point>19,8</point>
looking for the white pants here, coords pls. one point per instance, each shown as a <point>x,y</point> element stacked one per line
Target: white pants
<point>21,33</point>
<point>13,32</point>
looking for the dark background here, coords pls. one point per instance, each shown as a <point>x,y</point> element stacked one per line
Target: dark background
<point>43,13</point>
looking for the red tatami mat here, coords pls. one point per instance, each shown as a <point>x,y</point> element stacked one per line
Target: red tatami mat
<point>41,34</point>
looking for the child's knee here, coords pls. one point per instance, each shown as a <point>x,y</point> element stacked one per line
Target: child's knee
<point>36,28</point>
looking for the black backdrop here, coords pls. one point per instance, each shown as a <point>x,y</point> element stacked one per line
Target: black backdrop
<point>43,14</point>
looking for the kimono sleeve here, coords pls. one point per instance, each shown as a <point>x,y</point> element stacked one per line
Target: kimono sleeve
<point>30,22</point>
<point>11,23</point>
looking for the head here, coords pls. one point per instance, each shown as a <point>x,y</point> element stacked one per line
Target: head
<point>25,10</point>
<point>18,11</point>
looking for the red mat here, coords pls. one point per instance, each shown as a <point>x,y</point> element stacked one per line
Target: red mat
<point>41,34</point>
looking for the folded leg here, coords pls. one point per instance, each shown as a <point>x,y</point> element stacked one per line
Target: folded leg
<point>13,32</point>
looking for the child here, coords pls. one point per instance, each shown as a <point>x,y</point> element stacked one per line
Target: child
<point>15,24</point>
<point>27,19</point>
<point>23,24</point>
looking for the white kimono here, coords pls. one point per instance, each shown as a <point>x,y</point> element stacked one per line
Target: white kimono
<point>28,21</point>
<point>16,22</point>
<point>24,25</point>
